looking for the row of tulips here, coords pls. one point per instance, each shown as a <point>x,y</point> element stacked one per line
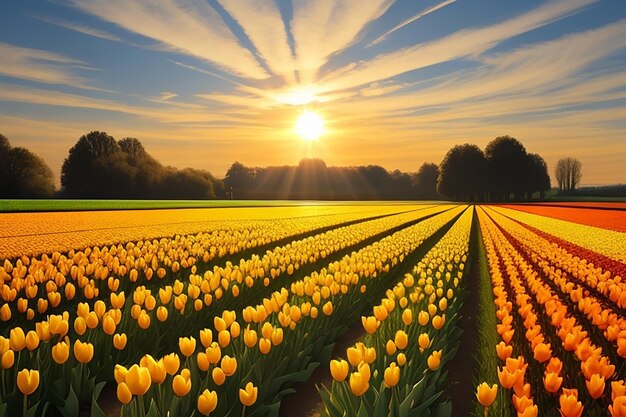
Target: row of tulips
<point>593,291</point>
<point>607,242</point>
<point>126,331</point>
<point>546,318</point>
<point>37,285</point>
<point>247,370</point>
<point>397,370</point>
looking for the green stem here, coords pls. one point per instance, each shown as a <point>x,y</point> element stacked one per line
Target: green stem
<point>243,411</point>
<point>486,412</point>
<point>141,413</point>
<point>25,406</point>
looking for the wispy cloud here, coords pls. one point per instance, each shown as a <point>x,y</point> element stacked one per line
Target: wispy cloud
<point>458,45</point>
<point>262,22</point>
<point>411,20</point>
<point>85,30</point>
<point>325,27</point>
<point>192,28</point>
<point>42,66</point>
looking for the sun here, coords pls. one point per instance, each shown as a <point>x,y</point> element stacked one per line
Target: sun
<point>310,125</point>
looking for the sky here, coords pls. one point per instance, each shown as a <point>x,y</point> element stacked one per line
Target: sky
<point>204,83</point>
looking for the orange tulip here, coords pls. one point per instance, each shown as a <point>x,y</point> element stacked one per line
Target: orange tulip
<point>218,376</point>
<point>17,339</point>
<point>542,352</point>
<point>187,345</point>
<point>424,341</point>
<point>138,380</point>
<point>119,341</point>
<point>27,381</point>
<point>248,395</point>
<point>83,351</point>
<point>508,378</point>
<point>339,369</point>
<point>359,384</point>
<point>181,385</point>
<point>595,386</point>
<point>552,382</point>
<point>355,356</point>
<point>434,360</point>
<point>206,337</point>
<point>172,363</point>
<point>229,365</point>
<point>123,393</point>
<point>207,402</point>
<point>504,351</point>
<point>618,408</point>
<point>8,359</point>
<point>392,375</point>
<point>401,339</point>
<point>61,352</point>
<point>570,406</point>
<point>486,395</point>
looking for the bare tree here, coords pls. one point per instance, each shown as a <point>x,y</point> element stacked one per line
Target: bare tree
<point>568,173</point>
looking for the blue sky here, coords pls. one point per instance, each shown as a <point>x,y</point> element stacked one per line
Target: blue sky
<point>203,83</point>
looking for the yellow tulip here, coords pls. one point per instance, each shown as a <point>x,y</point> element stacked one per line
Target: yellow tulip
<point>119,372</point>
<point>17,339</point>
<point>486,395</point>
<point>8,359</point>
<point>203,361</point>
<point>370,324</point>
<point>181,384</point>
<point>392,375</point>
<point>223,337</point>
<point>277,337</point>
<point>32,340</point>
<point>265,345</point>
<point>229,365</point>
<point>423,318</point>
<point>119,341</point>
<point>328,308</point>
<point>206,337</point>
<point>27,381</point>
<point>172,363</point>
<point>187,345</point>
<point>390,347</point>
<point>248,395</point>
<point>407,317</point>
<point>83,351</point>
<point>250,337</point>
<point>108,325</point>
<point>339,369</point>
<point>214,353</point>
<point>358,384</point>
<point>434,360</point>
<point>401,340</point>
<point>61,352</point>
<point>162,313</point>
<point>401,359</point>
<point>218,376</point>
<point>355,356</point>
<point>207,402</point>
<point>123,393</point>
<point>138,380</point>
<point>424,340</point>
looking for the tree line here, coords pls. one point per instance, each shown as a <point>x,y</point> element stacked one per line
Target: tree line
<point>99,166</point>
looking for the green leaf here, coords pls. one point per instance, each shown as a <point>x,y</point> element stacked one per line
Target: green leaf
<point>153,410</point>
<point>70,406</point>
<point>3,409</point>
<point>96,411</point>
<point>443,410</point>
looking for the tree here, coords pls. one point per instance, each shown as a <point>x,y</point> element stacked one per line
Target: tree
<point>238,180</point>
<point>462,173</point>
<point>84,174</point>
<point>538,179</point>
<point>23,174</point>
<point>507,167</point>
<point>568,173</point>
<point>425,182</point>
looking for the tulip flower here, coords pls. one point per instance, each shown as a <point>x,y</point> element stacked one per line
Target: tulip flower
<point>618,389</point>
<point>424,341</point>
<point>229,365</point>
<point>401,358</point>
<point>328,308</point>
<point>370,324</point>
<point>392,375</point>
<point>423,318</point>
<point>187,345</point>
<point>355,356</point>
<point>83,351</point>
<point>339,369</point>
<point>401,339</point>
<point>265,345</point>
<point>504,351</point>
<point>8,359</point>
<point>248,395</point>
<point>618,407</point>
<point>119,372</point>
<point>359,384</point>
<point>17,339</point>
<point>434,360</point>
<point>119,341</point>
<point>218,376</point>
<point>552,382</point>
<point>569,404</point>
<point>407,317</point>
<point>61,352</point>
<point>32,340</point>
<point>27,381</point>
<point>172,363</point>
<point>595,386</point>
<point>123,393</point>
<point>207,402</point>
<point>181,385</point>
<point>390,347</point>
<point>206,337</point>
<point>138,380</point>
<point>486,395</point>
<point>542,352</point>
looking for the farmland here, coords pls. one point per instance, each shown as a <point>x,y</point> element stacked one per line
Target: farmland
<point>439,309</point>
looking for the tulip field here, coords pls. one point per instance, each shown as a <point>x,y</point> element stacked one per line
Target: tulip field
<point>445,309</point>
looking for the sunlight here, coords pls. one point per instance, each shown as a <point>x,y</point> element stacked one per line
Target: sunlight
<point>310,125</point>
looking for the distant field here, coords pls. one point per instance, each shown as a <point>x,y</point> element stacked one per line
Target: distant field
<point>80,205</point>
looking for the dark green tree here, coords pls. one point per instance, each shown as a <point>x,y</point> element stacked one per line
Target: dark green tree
<point>425,182</point>
<point>23,174</point>
<point>507,167</point>
<point>462,173</point>
<point>538,178</point>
